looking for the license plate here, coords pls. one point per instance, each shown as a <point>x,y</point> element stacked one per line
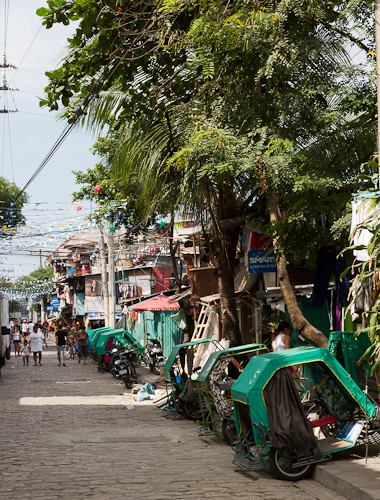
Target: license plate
<point>123,372</point>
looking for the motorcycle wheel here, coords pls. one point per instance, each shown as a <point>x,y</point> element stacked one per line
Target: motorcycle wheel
<point>229,432</point>
<point>112,369</point>
<point>133,371</point>
<point>127,381</point>
<point>282,461</point>
<point>153,367</point>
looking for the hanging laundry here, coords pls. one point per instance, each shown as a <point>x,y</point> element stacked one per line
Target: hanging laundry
<point>328,262</point>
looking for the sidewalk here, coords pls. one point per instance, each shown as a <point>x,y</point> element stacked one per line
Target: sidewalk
<point>350,476</point>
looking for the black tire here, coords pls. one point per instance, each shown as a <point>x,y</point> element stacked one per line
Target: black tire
<point>153,368</point>
<point>192,408</point>
<point>127,381</point>
<point>112,368</point>
<point>145,360</point>
<point>229,432</point>
<point>281,463</point>
<point>133,371</point>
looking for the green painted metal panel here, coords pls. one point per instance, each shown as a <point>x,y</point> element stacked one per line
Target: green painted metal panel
<point>173,354</point>
<point>226,353</point>
<point>158,326</point>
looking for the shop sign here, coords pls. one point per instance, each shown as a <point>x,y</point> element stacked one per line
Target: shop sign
<point>261,261</point>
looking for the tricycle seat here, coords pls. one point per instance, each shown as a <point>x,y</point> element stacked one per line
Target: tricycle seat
<point>323,421</point>
<point>225,385</point>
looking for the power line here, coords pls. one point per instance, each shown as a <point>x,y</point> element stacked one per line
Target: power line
<point>97,87</point>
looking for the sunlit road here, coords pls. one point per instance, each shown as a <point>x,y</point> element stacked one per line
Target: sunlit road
<point>67,432</point>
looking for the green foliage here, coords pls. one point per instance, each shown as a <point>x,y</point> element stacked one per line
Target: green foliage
<point>10,210</point>
<point>259,96</point>
<point>368,271</point>
<point>14,306</point>
<point>116,203</point>
<point>43,273</point>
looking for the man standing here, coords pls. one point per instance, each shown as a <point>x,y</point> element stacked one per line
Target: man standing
<point>35,344</point>
<point>82,338</point>
<point>60,342</point>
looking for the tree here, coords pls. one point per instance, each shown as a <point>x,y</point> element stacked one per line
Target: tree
<point>117,200</point>
<point>255,96</point>
<point>10,207</point>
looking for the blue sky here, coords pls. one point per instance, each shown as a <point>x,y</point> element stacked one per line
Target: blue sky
<point>34,130</point>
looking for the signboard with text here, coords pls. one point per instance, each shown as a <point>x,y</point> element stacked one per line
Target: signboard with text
<point>261,261</point>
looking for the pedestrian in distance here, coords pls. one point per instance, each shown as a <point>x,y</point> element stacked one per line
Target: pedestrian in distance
<point>25,329</point>
<point>30,327</point>
<point>25,353</point>
<point>16,339</point>
<point>60,342</point>
<point>35,344</point>
<point>82,338</point>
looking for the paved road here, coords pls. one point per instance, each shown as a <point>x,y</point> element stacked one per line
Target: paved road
<point>66,433</point>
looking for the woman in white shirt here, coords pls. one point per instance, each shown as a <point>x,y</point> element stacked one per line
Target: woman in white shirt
<point>282,340</point>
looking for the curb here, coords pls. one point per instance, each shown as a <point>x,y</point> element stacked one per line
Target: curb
<point>325,476</point>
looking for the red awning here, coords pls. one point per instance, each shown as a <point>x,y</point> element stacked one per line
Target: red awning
<point>159,303</point>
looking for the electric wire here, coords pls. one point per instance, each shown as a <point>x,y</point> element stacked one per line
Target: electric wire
<point>97,87</point>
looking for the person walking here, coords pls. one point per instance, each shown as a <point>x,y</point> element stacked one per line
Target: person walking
<point>25,353</point>
<point>35,344</point>
<point>82,338</point>
<point>60,342</point>
<point>30,327</point>
<point>16,339</point>
<point>24,329</point>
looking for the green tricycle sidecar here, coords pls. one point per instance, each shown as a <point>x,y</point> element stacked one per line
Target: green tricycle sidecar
<point>214,388</point>
<point>179,372</point>
<point>276,431</point>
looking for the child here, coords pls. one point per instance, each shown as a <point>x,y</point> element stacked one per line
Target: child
<point>25,353</point>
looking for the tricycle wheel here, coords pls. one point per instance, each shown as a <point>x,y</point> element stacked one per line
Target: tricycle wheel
<point>282,464</point>
<point>229,431</point>
<point>192,408</point>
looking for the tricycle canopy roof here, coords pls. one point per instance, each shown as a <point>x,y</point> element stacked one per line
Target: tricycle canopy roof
<point>249,387</point>
<point>226,353</point>
<point>172,356</point>
<point>100,346</point>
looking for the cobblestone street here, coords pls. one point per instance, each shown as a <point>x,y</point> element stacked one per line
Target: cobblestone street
<point>67,433</point>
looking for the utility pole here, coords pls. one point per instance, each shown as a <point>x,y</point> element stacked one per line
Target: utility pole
<point>111,278</point>
<point>377,37</point>
<point>103,263</point>
<point>42,299</point>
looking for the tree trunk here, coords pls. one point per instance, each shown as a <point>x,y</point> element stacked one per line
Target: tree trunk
<point>225,257</point>
<point>300,323</point>
<point>173,250</point>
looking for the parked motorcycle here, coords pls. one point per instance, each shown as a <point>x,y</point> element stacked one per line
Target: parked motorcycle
<point>154,356</point>
<point>121,365</point>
